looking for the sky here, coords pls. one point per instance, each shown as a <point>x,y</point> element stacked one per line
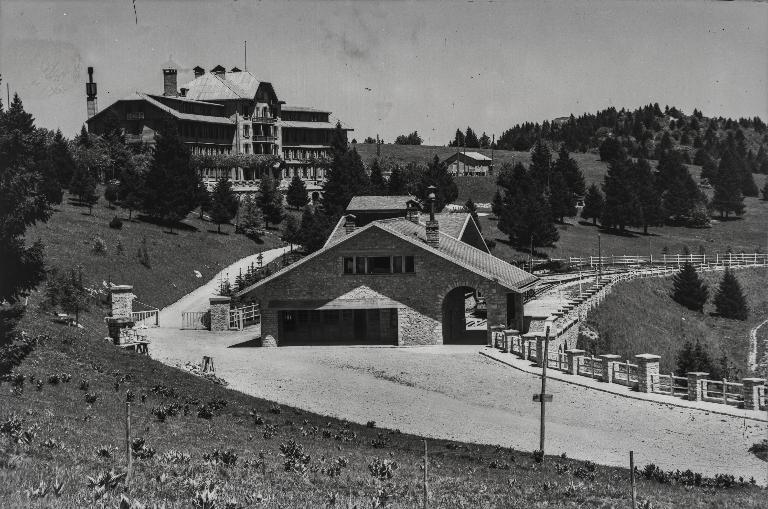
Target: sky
<point>392,67</point>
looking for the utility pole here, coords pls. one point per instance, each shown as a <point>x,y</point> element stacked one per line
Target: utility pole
<point>632,477</point>
<point>530,257</point>
<point>245,56</point>
<point>599,259</point>
<point>543,396</point>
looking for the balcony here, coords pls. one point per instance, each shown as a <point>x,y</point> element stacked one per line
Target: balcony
<point>267,139</point>
<point>263,120</point>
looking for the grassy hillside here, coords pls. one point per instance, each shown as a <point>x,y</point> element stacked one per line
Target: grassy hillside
<point>63,408</point>
<point>69,237</point>
<point>640,317</point>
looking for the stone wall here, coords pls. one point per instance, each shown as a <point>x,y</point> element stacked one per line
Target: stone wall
<point>419,295</point>
<point>122,300</point>
<point>220,313</point>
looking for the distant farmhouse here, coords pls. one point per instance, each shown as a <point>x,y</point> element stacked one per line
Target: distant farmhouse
<point>226,112</point>
<point>469,164</point>
<point>390,274</point>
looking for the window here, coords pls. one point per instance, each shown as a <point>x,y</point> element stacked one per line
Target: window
<point>246,131</point>
<point>377,264</point>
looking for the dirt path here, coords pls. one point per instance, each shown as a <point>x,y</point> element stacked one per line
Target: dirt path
<point>752,360</point>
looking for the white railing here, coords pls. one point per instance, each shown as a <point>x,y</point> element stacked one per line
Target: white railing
<point>722,259</point>
<point>761,397</point>
<point>624,373</point>
<point>669,384</point>
<point>195,320</point>
<point>149,318</point>
<point>243,316</point>
<point>722,391</point>
<point>557,360</point>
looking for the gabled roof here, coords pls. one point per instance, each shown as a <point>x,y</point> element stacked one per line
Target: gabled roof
<point>287,107</point>
<point>138,96</point>
<point>468,257</point>
<point>477,156</point>
<point>225,86</point>
<point>378,203</point>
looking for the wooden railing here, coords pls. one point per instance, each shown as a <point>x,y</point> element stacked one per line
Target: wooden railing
<point>624,373</point>
<point>669,384</point>
<point>722,391</point>
<point>734,259</point>
<point>244,316</point>
<point>195,320</point>
<point>150,318</point>
<point>558,360</point>
<point>591,367</point>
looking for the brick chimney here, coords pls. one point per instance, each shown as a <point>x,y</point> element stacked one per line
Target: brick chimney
<point>412,211</point>
<point>199,71</point>
<point>169,82</point>
<point>183,92</point>
<point>433,228</point>
<point>219,70</point>
<point>90,93</point>
<point>349,223</point>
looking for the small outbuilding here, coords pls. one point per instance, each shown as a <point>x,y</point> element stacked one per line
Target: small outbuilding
<point>469,164</point>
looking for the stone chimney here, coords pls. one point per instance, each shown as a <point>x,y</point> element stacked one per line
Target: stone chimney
<point>169,82</point>
<point>183,92</point>
<point>199,71</point>
<point>433,228</point>
<point>349,223</point>
<point>412,211</point>
<point>219,70</point>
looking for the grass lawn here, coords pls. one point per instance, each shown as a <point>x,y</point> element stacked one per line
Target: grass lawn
<point>640,317</point>
<point>236,445</point>
<point>174,257</point>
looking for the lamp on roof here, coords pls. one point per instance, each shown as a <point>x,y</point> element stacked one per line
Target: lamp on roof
<point>431,197</point>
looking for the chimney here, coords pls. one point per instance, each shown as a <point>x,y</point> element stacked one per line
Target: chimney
<point>433,228</point>
<point>199,71</point>
<point>349,223</point>
<point>412,211</point>
<point>219,70</point>
<point>90,93</point>
<point>169,83</point>
<point>183,92</point>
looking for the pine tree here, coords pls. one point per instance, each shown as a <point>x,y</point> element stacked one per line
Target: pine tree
<point>622,205</point>
<point>647,194</point>
<point>437,175</point>
<point>224,203</point>
<point>471,140</point>
<point>345,178</point>
<point>296,196</point>
<point>729,299</point>
<point>292,231</point>
<point>561,199</point>
<point>67,291</point>
<point>171,189</point>
<point>397,186</point>
<point>251,219</point>
<point>470,207</point>
<point>378,183</point>
<point>593,204</point>
<point>727,197</point>
<point>61,159</point>
<point>131,188</point>
<point>574,178</point>
<point>525,216</point>
<point>485,141</point>
<point>111,194</point>
<point>270,201</point>
<point>541,165</point>
<point>314,230</point>
<point>497,205</point>
<point>83,186</point>
<point>689,289</point>
<point>611,150</point>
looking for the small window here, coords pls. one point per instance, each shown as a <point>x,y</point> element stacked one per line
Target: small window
<point>408,263</point>
<point>378,265</point>
<point>349,265</point>
<point>360,265</point>
<point>397,264</point>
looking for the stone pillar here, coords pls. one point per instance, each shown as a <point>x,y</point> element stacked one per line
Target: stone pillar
<point>694,385</point>
<point>751,401</point>
<point>509,335</point>
<point>494,334</point>
<point>220,313</point>
<point>574,356</point>
<point>122,300</point>
<point>606,362</point>
<point>647,366</point>
<point>270,329</point>
<point>528,344</point>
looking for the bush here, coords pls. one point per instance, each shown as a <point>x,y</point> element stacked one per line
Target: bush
<point>99,247</point>
<point>116,223</point>
<point>382,469</point>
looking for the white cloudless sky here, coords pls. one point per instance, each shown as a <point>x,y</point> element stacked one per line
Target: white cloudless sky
<point>394,67</point>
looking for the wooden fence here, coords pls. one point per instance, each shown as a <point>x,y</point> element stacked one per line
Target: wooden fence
<point>244,316</point>
<point>722,259</point>
<point>150,318</point>
<point>722,391</point>
<point>196,320</point>
<point>669,384</point>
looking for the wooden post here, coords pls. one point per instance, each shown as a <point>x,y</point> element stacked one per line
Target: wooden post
<point>725,394</point>
<point>128,439</point>
<point>426,485</point>
<point>632,478</point>
<point>671,384</point>
<point>543,392</point>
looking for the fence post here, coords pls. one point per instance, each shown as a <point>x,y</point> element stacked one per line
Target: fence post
<point>632,478</point>
<point>647,368</point>
<point>751,401</point>
<point>725,391</point>
<point>694,384</point>
<point>606,362</point>
<point>671,384</point>
<point>128,439</point>
<point>426,485</point>
<point>574,357</point>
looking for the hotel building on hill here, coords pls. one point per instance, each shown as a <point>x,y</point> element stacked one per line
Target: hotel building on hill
<point>227,112</point>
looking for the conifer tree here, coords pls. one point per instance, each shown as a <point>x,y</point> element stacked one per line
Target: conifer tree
<point>593,204</point>
<point>729,299</point>
<point>525,216</point>
<point>251,219</point>
<point>688,289</point>
<point>270,201</point>
<point>497,204</point>
<point>314,229</point>
<point>131,188</point>
<point>611,150</point>
<point>83,185</point>
<point>647,194</point>
<point>292,231</point>
<point>574,178</point>
<point>541,165</point>
<point>345,178</point>
<point>378,183</point>
<point>296,196</point>
<point>397,186</point>
<point>765,191</point>
<point>61,158</point>
<point>224,203</point>
<point>561,199</point>
<point>437,175</point>
<point>727,198</point>
<point>471,140</point>
<point>172,184</point>
<point>622,205</point>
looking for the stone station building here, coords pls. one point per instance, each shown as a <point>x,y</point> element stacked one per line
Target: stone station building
<point>396,281</point>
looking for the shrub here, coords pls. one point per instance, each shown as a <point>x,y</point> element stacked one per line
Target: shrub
<point>140,450</point>
<point>382,469</point>
<point>143,254</point>
<point>370,424</point>
<point>116,223</point>
<point>270,430</point>
<point>90,398</point>
<point>204,412</point>
<point>538,456</point>
<point>99,247</point>
<point>295,459</point>
<point>227,458</point>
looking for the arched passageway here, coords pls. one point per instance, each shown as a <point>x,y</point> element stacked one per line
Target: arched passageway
<point>464,317</point>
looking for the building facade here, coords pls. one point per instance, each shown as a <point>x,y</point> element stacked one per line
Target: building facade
<point>403,280</point>
<point>227,112</point>
<point>469,164</point>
